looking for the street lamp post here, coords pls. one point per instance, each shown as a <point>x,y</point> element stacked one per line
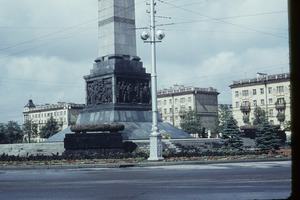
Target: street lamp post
<point>155,136</point>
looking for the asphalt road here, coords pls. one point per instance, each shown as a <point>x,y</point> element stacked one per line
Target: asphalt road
<point>254,180</point>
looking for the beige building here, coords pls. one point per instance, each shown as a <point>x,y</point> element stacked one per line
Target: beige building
<point>177,99</point>
<point>64,113</point>
<point>269,92</point>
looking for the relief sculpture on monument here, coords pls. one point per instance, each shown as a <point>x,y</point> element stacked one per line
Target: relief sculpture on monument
<point>99,92</point>
<point>133,91</point>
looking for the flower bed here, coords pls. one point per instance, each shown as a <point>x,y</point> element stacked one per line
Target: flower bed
<point>135,157</point>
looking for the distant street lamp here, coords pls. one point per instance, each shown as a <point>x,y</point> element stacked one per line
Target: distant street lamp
<point>155,136</point>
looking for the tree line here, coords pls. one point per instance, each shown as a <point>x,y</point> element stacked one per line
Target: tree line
<point>231,135</point>
<point>11,132</point>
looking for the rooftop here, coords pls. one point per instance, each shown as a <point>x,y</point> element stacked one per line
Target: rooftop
<point>182,88</point>
<point>59,105</point>
<point>261,79</point>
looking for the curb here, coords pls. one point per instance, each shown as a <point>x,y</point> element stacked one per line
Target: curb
<point>142,164</point>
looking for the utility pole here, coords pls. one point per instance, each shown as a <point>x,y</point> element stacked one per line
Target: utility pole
<point>155,136</point>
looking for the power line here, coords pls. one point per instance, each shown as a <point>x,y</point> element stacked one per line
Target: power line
<point>221,20</point>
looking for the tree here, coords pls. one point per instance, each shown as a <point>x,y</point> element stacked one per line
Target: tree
<point>266,138</point>
<point>30,129</point>
<point>3,138</point>
<point>223,115</point>
<point>260,116</point>
<point>13,132</point>
<point>231,135</point>
<point>287,126</point>
<point>49,129</point>
<point>191,122</point>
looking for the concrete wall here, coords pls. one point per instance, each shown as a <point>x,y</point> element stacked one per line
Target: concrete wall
<point>33,148</point>
<point>172,144</point>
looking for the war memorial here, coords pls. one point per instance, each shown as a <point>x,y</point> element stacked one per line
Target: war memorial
<point>118,89</point>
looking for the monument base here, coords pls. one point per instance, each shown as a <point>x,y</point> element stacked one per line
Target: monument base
<point>93,143</point>
<point>137,120</point>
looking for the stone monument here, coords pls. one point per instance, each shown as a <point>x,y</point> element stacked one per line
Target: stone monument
<point>118,87</point>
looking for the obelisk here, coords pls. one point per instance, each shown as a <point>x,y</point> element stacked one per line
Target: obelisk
<point>118,87</point>
<point>116,28</point>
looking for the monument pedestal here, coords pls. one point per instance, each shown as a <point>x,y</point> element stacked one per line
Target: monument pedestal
<point>93,143</point>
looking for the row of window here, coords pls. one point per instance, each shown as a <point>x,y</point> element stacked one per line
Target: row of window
<point>45,121</point>
<point>176,110</point>
<point>176,101</point>
<point>49,114</point>
<point>254,103</point>
<point>279,89</point>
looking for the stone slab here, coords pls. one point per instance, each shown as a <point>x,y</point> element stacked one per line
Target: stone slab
<point>93,141</point>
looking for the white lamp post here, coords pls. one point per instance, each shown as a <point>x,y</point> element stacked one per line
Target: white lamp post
<point>155,136</point>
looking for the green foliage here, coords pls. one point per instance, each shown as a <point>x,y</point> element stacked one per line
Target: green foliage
<point>2,134</point>
<point>223,115</point>
<point>49,129</point>
<point>231,135</point>
<point>12,132</point>
<point>30,129</point>
<point>191,122</point>
<point>287,126</point>
<point>266,139</point>
<point>260,116</point>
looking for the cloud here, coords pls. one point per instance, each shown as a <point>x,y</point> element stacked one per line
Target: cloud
<point>46,47</point>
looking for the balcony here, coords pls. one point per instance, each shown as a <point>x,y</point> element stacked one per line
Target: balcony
<point>280,105</point>
<point>245,108</point>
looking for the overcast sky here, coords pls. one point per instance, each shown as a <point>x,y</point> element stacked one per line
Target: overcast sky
<point>46,47</point>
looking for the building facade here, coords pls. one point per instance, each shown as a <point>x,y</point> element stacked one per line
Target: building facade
<point>177,99</point>
<point>270,92</point>
<point>64,113</point>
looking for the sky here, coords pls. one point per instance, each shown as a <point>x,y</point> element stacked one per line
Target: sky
<point>46,47</point>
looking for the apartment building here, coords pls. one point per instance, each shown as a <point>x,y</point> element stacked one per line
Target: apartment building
<point>64,113</point>
<point>177,99</point>
<point>269,92</point>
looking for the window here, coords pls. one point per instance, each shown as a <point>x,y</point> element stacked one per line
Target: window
<point>280,89</point>
<point>254,103</point>
<point>176,110</point>
<point>269,90</point>
<point>246,103</point>
<point>237,104</point>
<point>261,90</point>
<point>270,101</point>
<point>176,100</point>
<point>165,102</point>
<point>189,99</point>
<point>165,111</point>
<point>236,93</point>
<point>182,100</point>
<point>262,102</point>
<point>170,101</point>
<point>254,91</point>
<point>245,93</point>
<point>171,110</point>
<point>182,108</point>
<point>271,113</point>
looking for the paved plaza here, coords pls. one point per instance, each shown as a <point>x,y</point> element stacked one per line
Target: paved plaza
<point>251,180</point>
